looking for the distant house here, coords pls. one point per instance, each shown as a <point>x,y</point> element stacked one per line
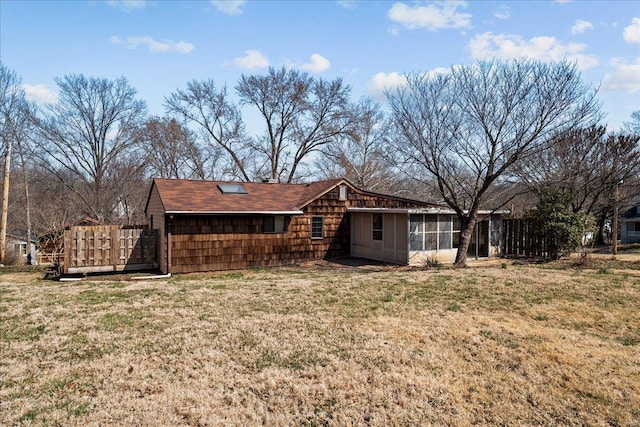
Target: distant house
<point>630,225</point>
<point>20,251</point>
<point>208,225</point>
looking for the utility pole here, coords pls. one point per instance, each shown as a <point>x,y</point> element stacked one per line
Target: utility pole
<point>5,203</point>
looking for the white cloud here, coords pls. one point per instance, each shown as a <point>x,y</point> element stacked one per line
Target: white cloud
<point>433,17</point>
<point>230,7</point>
<point>508,46</point>
<point>251,59</point>
<point>382,82</point>
<point>318,64</point>
<point>347,4</point>
<point>154,45</point>
<point>625,76</point>
<point>39,94</point>
<point>394,31</point>
<point>580,26</point>
<point>632,32</point>
<point>127,4</point>
<point>502,12</point>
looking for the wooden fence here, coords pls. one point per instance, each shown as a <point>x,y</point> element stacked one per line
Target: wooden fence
<point>107,248</point>
<point>519,239</point>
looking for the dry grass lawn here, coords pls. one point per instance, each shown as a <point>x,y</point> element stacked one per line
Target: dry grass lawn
<point>325,344</point>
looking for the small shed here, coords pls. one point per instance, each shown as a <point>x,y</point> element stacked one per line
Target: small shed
<point>210,225</point>
<point>20,250</point>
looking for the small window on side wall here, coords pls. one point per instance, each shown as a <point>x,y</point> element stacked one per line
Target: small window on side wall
<point>317,231</point>
<point>273,224</point>
<point>377,226</point>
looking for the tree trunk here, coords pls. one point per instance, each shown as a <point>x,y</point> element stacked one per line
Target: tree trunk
<point>601,220</point>
<point>466,233</point>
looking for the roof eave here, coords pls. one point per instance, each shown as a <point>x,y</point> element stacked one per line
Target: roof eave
<point>234,213</point>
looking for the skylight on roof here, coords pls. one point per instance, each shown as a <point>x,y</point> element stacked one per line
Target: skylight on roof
<point>232,189</point>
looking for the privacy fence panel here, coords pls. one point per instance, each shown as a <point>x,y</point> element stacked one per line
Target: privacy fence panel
<point>105,248</point>
<point>520,239</point>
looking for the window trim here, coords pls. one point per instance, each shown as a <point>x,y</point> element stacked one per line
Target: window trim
<point>313,227</point>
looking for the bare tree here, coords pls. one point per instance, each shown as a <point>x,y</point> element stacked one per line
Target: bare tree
<point>465,130</point>
<point>301,114</point>
<point>219,121</point>
<point>94,125</point>
<point>14,116</point>
<point>174,150</point>
<point>357,154</point>
<point>633,126</point>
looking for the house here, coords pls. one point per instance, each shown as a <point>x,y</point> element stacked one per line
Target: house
<point>630,225</point>
<point>20,251</point>
<point>208,225</point>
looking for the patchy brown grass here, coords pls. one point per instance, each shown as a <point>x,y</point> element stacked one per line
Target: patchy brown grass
<point>493,344</point>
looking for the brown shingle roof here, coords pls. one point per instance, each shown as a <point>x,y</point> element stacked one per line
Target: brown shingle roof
<point>191,196</point>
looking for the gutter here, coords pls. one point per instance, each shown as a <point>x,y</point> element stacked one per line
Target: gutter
<point>234,213</point>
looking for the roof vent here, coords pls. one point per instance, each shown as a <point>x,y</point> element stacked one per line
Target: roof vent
<point>270,181</point>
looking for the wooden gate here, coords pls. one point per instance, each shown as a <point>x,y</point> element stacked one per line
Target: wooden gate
<point>106,248</point>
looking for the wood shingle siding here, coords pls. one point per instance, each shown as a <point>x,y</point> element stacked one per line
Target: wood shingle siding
<point>208,243</point>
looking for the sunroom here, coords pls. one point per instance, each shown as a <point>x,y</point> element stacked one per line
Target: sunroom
<point>420,236</point>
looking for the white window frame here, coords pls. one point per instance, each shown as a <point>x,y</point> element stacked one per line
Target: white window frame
<point>314,226</point>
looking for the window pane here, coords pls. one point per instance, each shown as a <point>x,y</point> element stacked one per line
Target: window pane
<point>377,227</point>
<point>456,223</point>
<point>444,222</point>
<point>268,224</point>
<point>377,221</point>
<point>445,240</point>
<point>279,224</point>
<point>415,241</point>
<point>416,225</point>
<point>456,239</point>
<point>430,241</point>
<point>316,227</point>
<point>431,223</point>
<point>495,231</point>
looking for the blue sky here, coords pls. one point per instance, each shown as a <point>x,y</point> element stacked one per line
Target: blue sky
<point>161,45</point>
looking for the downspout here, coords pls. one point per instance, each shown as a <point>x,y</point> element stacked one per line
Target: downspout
<point>408,239</point>
<point>169,223</point>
